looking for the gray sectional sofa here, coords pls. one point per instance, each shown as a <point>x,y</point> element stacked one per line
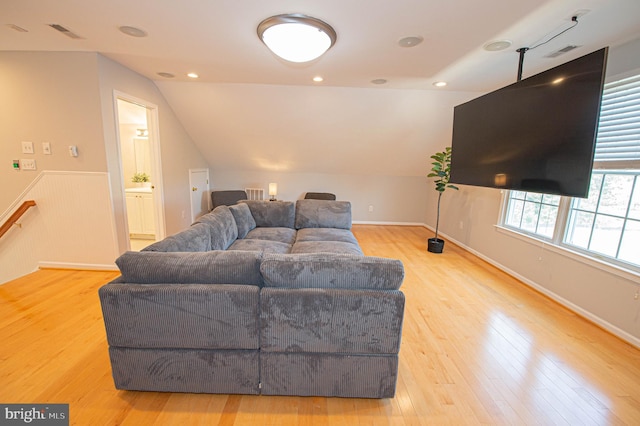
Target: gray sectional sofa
<point>263,297</point>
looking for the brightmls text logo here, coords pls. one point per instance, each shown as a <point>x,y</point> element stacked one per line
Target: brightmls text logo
<point>36,414</point>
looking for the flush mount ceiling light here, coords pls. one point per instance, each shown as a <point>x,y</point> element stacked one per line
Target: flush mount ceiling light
<point>296,38</point>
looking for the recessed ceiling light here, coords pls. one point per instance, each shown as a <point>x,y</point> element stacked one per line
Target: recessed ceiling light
<point>496,46</point>
<point>440,83</point>
<point>318,78</point>
<point>410,41</point>
<point>132,31</point>
<point>379,81</point>
<point>166,74</point>
<point>192,75</point>
<point>296,38</point>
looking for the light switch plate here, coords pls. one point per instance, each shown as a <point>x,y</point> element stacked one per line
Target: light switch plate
<point>28,164</point>
<point>27,147</point>
<point>46,148</point>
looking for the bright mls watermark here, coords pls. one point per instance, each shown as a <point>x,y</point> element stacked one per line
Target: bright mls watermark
<point>36,414</point>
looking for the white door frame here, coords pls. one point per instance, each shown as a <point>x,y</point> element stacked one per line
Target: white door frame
<point>191,186</point>
<point>156,163</point>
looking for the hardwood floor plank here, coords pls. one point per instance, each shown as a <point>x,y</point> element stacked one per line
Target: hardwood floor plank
<point>478,347</point>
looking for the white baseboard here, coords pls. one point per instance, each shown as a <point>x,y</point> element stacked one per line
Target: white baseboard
<point>81,266</point>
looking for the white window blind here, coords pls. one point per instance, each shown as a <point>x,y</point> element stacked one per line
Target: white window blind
<point>619,129</point>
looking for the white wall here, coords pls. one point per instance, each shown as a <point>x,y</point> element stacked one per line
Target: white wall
<point>394,198</point>
<point>68,99</point>
<point>48,97</point>
<point>469,217</point>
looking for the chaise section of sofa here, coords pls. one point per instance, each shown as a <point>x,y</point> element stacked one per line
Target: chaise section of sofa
<point>185,322</point>
<point>330,325</point>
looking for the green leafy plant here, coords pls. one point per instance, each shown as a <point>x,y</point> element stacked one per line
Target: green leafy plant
<point>441,170</point>
<point>140,177</point>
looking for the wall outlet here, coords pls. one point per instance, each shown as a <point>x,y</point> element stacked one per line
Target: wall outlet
<point>27,147</point>
<point>370,208</point>
<point>28,164</point>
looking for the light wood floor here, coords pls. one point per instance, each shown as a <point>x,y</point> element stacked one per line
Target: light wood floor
<point>478,347</point>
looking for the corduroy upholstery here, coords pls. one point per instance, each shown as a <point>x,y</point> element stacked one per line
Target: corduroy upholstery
<point>263,297</point>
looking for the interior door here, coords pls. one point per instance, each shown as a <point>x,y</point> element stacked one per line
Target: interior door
<point>199,183</point>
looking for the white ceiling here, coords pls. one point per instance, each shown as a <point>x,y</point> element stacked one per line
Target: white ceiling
<point>247,100</point>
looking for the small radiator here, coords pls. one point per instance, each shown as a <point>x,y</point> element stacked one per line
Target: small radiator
<point>255,193</point>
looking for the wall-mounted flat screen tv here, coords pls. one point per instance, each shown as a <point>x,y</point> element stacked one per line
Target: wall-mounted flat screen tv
<point>536,135</point>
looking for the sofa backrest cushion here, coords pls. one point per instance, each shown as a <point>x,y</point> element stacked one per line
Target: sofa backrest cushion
<point>195,238</point>
<point>244,219</point>
<point>323,214</point>
<point>224,230</point>
<point>272,213</point>
<point>328,270</point>
<point>212,267</point>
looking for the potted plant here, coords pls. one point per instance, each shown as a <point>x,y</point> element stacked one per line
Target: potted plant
<point>441,170</point>
<point>141,179</point>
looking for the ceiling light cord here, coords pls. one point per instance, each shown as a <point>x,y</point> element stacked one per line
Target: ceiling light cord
<point>524,50</point>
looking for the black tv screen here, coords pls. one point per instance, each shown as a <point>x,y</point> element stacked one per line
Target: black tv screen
<point>536,135</point>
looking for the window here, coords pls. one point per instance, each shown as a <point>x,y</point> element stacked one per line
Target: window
<point>534,213</point>
<point>606,224</point>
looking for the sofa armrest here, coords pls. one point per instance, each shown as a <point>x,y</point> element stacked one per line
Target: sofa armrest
<point>328,270</point>
<point>211,267</point>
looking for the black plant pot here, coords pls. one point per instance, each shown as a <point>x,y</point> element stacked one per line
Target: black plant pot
<point>435,245</point>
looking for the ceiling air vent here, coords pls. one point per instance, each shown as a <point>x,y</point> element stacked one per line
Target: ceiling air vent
<point>561,51</point>
<point>65,31</point>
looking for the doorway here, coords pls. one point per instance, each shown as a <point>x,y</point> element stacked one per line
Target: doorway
<point>200,195</point>
<point>140,171</point>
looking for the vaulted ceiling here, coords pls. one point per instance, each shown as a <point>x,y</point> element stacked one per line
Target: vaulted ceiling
<point>250,111</point>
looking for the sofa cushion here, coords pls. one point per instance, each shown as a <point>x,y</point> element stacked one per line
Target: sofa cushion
<point>224,230</point>
<point>186,370</point>
<point>323,214</point>
<point>280,234</point>
<point>329,270</point>
<point>325,234</point>
<point>325,320</point>
<point>343,375</point>
<point>244,220</point>
<point>212,267</point>
<point>181,316</point>
<point>272,213</point>
<point>196,238</point>
<point>326,247</point>
<point>264,246</point>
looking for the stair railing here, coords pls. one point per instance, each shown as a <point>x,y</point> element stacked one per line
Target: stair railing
<point>13,219</point>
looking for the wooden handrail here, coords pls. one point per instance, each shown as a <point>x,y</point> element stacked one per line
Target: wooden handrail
<point>15,216</point>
